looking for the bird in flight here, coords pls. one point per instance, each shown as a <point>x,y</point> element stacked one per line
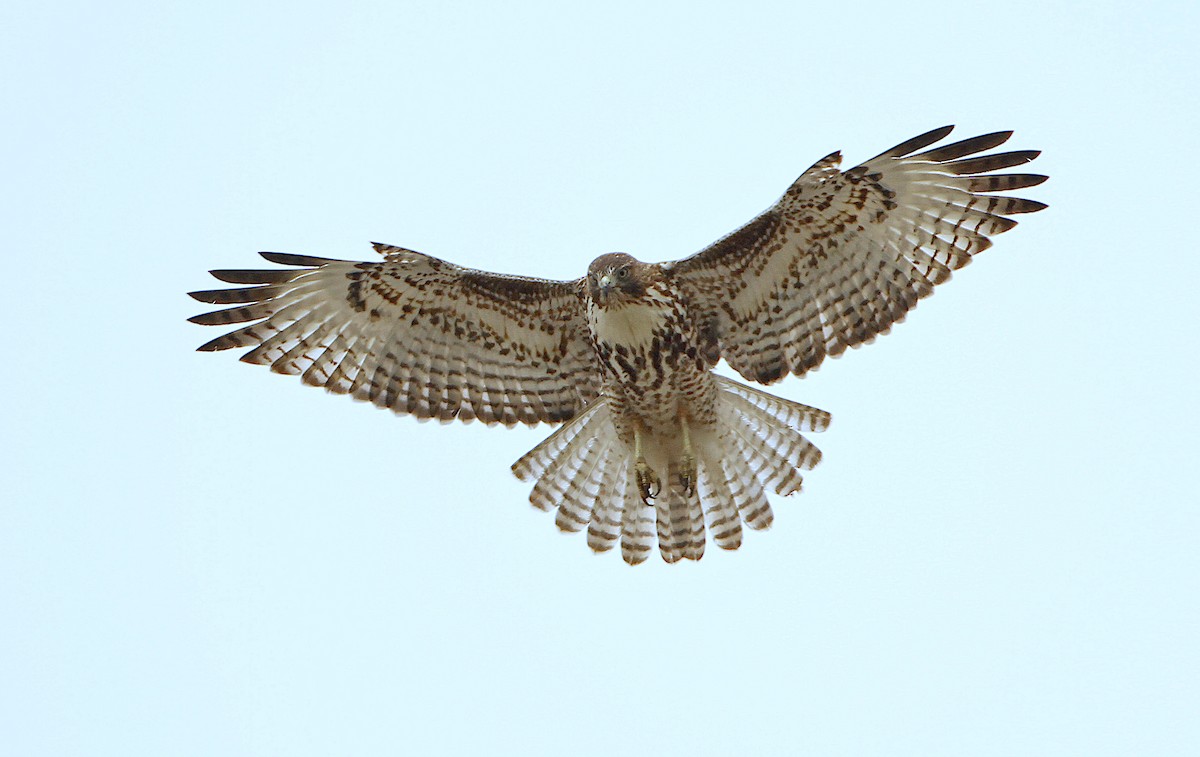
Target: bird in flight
<point>651,445</point>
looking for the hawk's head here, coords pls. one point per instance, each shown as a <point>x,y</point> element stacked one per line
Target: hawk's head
<point>618,279</point>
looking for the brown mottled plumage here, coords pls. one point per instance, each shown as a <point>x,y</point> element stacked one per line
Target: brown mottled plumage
<point>652,439</point>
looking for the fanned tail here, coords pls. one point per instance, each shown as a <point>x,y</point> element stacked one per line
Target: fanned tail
<point>760,446</point>
<point>586,473</point>
<point>570,467</point>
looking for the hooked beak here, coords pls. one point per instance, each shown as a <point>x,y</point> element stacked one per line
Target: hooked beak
<point>605,286</point>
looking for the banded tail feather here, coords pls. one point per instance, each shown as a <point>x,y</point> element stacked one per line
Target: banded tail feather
<point>585,473</point>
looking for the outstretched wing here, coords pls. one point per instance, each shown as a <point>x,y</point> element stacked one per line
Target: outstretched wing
<point>845,254</point>
<point>415,334</point>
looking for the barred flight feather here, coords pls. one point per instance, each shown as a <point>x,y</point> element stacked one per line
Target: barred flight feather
<point>414,334</point>
<point>919,215</point>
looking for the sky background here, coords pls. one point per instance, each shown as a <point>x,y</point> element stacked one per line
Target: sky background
<point>999,555</point>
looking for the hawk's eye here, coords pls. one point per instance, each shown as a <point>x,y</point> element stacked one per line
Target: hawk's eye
<point>622,272</point>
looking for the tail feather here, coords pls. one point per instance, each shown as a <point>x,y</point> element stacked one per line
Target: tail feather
<point>696,517</point>
<point>605,528</point>
<point>578,499</point>
<point>586,473</point>
<point>721,516</point>
<point>748,495</point>
<point>555,486</point>
<point>680,520</point>
<point>793,414</point>
<point>548,455</point>
<point>784,443</point>
<point>772,470</point>
<point>637,534</point>
<point>666,512</point>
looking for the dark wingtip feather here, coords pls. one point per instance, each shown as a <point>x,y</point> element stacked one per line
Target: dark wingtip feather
<point>215,345</point>
<point>1005,182</point>
<point>232,296</point>
<point>966,147</point>
<point>916,143</point>
<point>284,258</point>
<point>987,163</point>
<point>1002,224</point>
<point>224,317</point>
<point>1028,206</point>
<point>1033,178</point>
<point>241,314</point>
<point>241,276</point>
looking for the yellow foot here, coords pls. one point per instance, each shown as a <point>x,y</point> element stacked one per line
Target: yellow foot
<point>688,474</point>
<point>647,480</point>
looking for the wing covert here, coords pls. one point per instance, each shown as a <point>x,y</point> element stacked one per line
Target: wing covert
<point>843,255</point>
<point>415,334</point>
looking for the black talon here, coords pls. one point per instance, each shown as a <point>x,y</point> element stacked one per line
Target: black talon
<point>649,485</point>
<point>687,476</point>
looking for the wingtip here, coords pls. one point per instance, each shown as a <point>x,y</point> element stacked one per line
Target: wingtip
<point>284,258</point>
<point>938,134</point>
<point>921,141</point>
<point>996,138</point>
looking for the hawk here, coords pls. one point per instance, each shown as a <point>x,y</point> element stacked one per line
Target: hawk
<point>652,445</point>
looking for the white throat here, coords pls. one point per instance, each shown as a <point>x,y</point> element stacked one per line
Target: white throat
<point>631,324</point>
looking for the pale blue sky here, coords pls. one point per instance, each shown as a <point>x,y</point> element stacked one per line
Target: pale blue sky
<point>999,554</point>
